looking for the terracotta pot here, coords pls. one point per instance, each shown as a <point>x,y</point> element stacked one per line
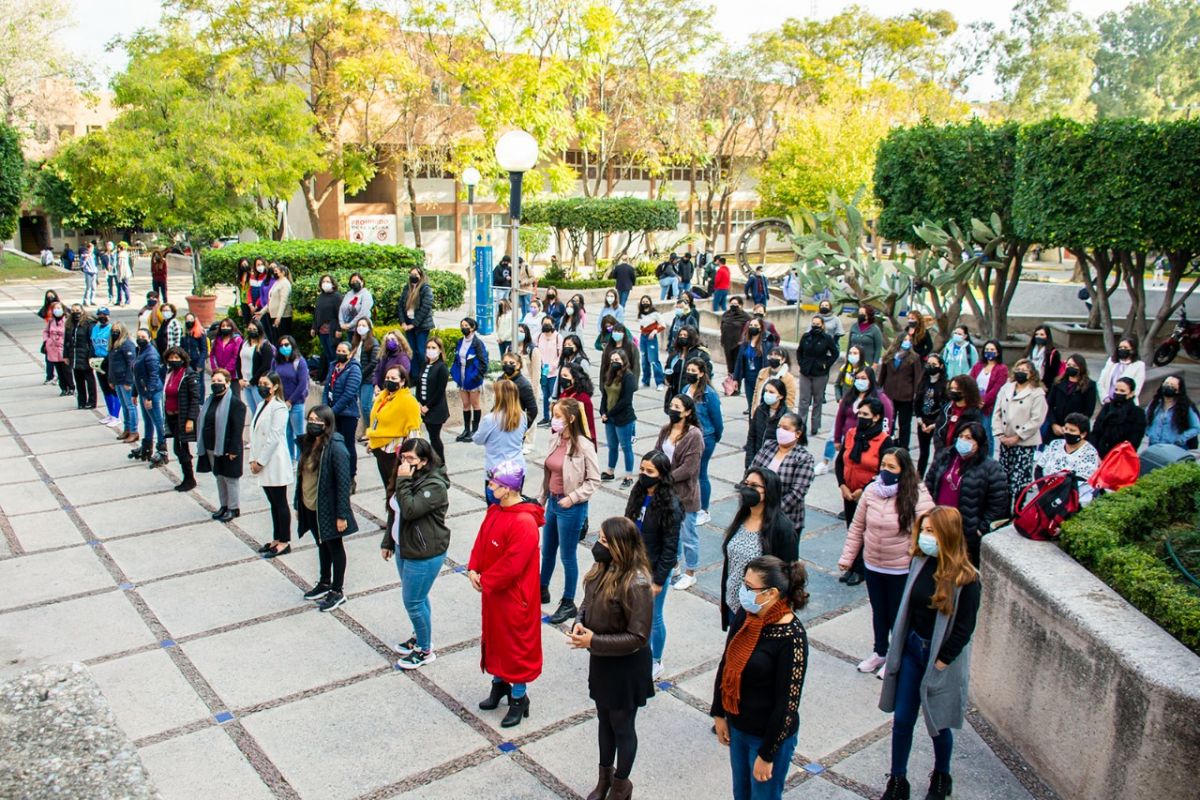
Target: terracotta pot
<point>205,308</point>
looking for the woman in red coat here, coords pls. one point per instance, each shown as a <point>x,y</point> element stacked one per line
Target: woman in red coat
<point>504,567</point>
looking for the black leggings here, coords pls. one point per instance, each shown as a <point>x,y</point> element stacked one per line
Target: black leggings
<point>904,419</point>
<point>332,555</point>
<point>925,441</point>
<point>618,739</point>
<point>849,507</point>
<point>183,454</point>
<point>435,439</point>
<point>281,515</point>
<point>85,387</point>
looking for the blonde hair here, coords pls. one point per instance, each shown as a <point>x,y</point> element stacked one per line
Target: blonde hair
<point>506,404</point>
<point>1035,377</point>
<point>954,567</point>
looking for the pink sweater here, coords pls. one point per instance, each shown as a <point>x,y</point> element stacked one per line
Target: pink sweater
<point>225,353</point>
<point>549,347</point>
<point>875,530</point>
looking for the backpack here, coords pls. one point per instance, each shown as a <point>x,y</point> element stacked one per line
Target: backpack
<point>1120,468</point>
<point>1044,504</point>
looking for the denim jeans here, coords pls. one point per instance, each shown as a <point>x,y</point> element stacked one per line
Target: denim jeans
<point>743,751</point>
<point>152,419</point>
<point>623,433</point>
<point>908,709</point>
<point>129,415</point>
<point>720,298</point>
<point>89,288</point>
<point>113,289</point>
<point>328,350</point>
<point>561,532</point>
<point>670,288</point>
<point>658,631</point>
<point>416,579</point>
<point>296,429</point>
<point>650,364</point>
<point>689,541</point>
<point>547,392</point>
<point>122,292</point>
<point>251,399</point>
<point>417,341</point>
<point>987,429</point>
<point>749,381</point>
<point>366,399</point>
<point>710,444</point>
<point>622,298</point>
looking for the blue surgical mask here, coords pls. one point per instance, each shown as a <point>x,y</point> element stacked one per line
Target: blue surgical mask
<point>862,384</point>
<point>989,356</point>
<point>747,598</point>
<point>927,542</point>
<point>958,338</point>
<point>618,336</point>
<point>906,345</point>
<point>964,446</point>
<point>285,350</point>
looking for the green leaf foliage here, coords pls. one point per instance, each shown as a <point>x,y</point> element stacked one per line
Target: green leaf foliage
<point>386,286</point>
<point>309,257</point>
<point>12,180</point>
<point>604,214</point>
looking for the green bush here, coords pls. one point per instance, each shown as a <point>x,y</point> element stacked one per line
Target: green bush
<point>1107,537</point>
<point>306,257</point>
<point>603,214</point>
<point>645,269</point>
<point>588,283</point>
<point>449,337</point>
<point>385,286</point>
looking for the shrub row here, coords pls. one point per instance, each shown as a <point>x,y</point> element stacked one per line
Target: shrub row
<point>308,257</point>
<point>386,286</point>
<point>1105,538</point>
<point>589,283</point>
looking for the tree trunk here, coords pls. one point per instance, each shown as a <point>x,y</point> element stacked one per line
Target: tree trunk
<point>1005,288</point>
<point>1179,261</point>
<point>1099,291</point>
<point>313,202</point>
<point>412,207</point>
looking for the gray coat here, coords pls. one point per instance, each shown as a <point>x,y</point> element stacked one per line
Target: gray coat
<point>943,692</point>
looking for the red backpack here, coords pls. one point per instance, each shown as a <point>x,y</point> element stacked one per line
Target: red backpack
<point>1045,503</point>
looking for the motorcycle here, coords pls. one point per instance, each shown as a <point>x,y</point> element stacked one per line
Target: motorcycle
<point>1186,336</point>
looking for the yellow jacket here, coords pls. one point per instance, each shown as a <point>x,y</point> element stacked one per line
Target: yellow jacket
<point>395,415</point>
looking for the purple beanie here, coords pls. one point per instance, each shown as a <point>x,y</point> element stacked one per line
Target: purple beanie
<point>510,474</point>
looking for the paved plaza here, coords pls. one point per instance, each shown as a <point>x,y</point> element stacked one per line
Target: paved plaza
<point>231,685</point>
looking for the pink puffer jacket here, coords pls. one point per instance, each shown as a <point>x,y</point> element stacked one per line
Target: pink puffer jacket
<point>878,525</point>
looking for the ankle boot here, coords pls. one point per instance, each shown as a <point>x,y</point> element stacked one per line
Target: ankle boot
<point>499,690</point>
<point>940,785</point>
<point>566,610</point>
<point>603,784</point>
<point>518,709</point>
<point>897,788</point>
<point>622,789</point>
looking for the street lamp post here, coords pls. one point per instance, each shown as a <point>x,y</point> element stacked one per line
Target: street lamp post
<point>470,178</point>
<point>517,153</point>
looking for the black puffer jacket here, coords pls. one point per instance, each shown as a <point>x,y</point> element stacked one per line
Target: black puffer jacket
<point>1118,422</point>
<point>982,496</point>
<point>189,408</point>
<point>660,532</point>
<point>77,343</point>
<point>817,353</point>
<point>333,493</point>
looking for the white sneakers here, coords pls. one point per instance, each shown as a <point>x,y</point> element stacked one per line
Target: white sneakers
<point>702,517</point>
<point>685,582</point>
<point>821,468</point>
<point>882,672</point>
<point>871,663</point>
<point>656,670</point>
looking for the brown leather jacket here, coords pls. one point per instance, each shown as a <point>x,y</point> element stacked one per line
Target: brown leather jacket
<point>622,625</point>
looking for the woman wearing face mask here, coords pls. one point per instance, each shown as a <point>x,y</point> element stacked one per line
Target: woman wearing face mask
<point>815,355</point>
<point>260,289</point>
<point>325,320</point>
<point>194,343</point>
<point>833,323</point>
<point>148,388</point>
<point>881,534</point>
<point>270,462</point>
<point>356,304</point>
<point>685,314</point>
<point>752,357</point>
<point>181,405</point>
<point>900,374</point>
<point>990,375</point>
<point>1017,423</point>
<point>121,357</point>
<point>687,347</point>
<point>1073,393</point>
<point>503,328</point>
<point>242,282</point>
<point>712,425</point>
<point>620,340</point>
<point>170,333</point>
<point>1120,420</point>
<point>765,420</point>
<point>962,407</point>
<point>77,353</point>
<point>53,336</point>
<point>549,349</point>
<point>867,336</point>
<point>512,370</point>
<point>1047,361</point>
<point>964,477</point>
<point>959,355</point>
<point>857,465</point>
<point>1123,364</point>
<point>792,463</point>
<point>219,428</point>
<point>864,387</point>
<point>650,326</point>
<point>1171,417</point>
<point>574,316</point>
<point>778,367</point>
<point>571,476</point>
<point>573,352</point>
<point>930,398</point>
<point>616,412</point>
<point>254,360</point>
<point>655,510</point>
<point>393,352</point>
<point>574,383</point>
<point>922,339</point>
<point>102,337</point>
<point>504,569</point>
<point>927,670</point>
<point>226,349</point>
<point>324,483</point>
<point>293,375</point>
<point>614,627</point>
<point>341,394</point>
<point>534,316</point>
<point>502,432</point>
<point>365,350</point>
<point>1071,453</point>
<point>845,377</point>
<point>418,535</point>
<point>683,442</point>
<point>553,308</point>
<point>843,387</point>
<point>45,314</point>
<point>468,371</point>
<point>611,308</point>
<point>416,315</point>
<point>431,394</point>
<point>395,416</point>
<point>756,697</point>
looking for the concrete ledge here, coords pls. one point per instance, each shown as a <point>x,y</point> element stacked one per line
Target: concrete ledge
<point>58,739</point>
<point>1098,699</point>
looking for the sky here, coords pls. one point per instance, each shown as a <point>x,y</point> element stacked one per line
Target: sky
<point>97,22</point>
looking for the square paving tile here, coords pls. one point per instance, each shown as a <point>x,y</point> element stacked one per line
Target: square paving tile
<point>826,594</point>
<point>45,529</point>
<point>44,576</point>
<point>27,498</point>
<point>454,605</point>
<point>824,548</point>
<point>178,550</point>
<point>233,662</point>
<point>55,420</point>
<point>250,494</point>
<point>383,712</point>
<point>77,440</point>
<point>102,486</point>
<point>850,633</point>
<point>95,460</point>
<point>827,726</point>
<point>498,779</point>
<point>9,448</point>
<point>819,789</point>
<point>134,515</point>
<point>17,469</point>
<point>148,693</point>
<point>221,773</point>
<point>220,597</point>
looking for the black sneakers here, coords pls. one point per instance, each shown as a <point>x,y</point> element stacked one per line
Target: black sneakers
<point>417,658</point>
<point>332,600</point>
<point>317,592</point>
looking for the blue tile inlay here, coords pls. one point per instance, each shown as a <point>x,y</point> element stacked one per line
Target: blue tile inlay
<point>125,587</point>
<point>813,768</point>
<point>664,685</point>
<point>167,643</point>
<point>506,747</point>
<point>223,717</point>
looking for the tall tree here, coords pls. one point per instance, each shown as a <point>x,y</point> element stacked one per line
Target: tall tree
<point>32,57</point>
<point>1046,64</point>
<point>12,179</point>
<point>1148,61</point>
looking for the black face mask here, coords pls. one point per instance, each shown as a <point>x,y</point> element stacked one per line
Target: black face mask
<point>1072,372</point>
<point>682,341</point>
<point>565,384</point>
<point>1120,398</point>
<point>601,554</point>
<point>264,392</point>
<point>646,482</point>
<point>735,309</point>
<point>547,329</point>
<point>226,331</point>
<point>753,331</point>
<point>1021,377</point>
<point>1124,353</point>
<point>174,364</point>
<point>465,331</point>
<point>414,279</point>
<point>343,358</point>
<point>1169,391</point>
<point>355,285</point>
<point>826,309</point>
<point>218,389</point>
<point>568,352</point>
<point>391,386</point>
<point>315,429</point>
<point>674,416</point>
<point>691,377</point>
<point>1072,438</point>
<point>934,371</point>
<point>749,496</point>
<point>646,308</point>
<point>774,362</point>
<point>862,317</point>
<point>102,320</point>
<point>251,333</point>
<point>509,369</point>
<point>615,366</point>
<point>1039,340</point>
<point>955,395</point>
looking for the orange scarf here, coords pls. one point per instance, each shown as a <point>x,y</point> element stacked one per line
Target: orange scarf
<point>739,650</point>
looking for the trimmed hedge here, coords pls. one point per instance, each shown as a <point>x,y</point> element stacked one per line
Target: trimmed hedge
<point>591,283</point>
<point>308,257</point>
<point>603,214</point>
<point>1108,538</point>
<point>385,285</point>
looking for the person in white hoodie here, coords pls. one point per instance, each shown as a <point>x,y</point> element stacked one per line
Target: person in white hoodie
<point>270,461</point>
<point>1123,364</point>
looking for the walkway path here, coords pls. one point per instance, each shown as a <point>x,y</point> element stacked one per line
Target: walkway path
<point>232,686</point>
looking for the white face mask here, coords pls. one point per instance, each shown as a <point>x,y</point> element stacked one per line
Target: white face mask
<point>327,287</point>
<point>363,330</point>
<point>432,354</point>
<point>770,398</point>
<point>168,314</point>
<point>852,358</point>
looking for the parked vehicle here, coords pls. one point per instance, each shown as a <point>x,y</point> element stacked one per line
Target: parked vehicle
<point>1186,336</point>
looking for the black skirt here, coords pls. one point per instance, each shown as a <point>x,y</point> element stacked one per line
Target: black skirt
<point>616,682</point>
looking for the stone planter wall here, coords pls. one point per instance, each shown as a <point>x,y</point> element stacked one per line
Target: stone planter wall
<point>1094,695</point>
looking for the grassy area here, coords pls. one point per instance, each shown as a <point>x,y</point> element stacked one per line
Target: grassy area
<point>15,268</point>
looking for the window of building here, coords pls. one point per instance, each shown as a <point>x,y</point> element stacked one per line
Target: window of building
<point>94,128</point>
<point>380,189</point>
<point>66,131</point>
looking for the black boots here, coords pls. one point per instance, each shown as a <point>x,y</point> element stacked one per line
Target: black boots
<point>545,595</point>
<point>940,785</point>
<point>518,708</point>
<point>499,689</point>
<point>566,610</point>
<point>603,784</point>
<point>897,788</point>
<point>621,789</point>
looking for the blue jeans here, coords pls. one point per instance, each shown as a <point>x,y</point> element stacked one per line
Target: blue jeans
<point>89,288</point>
<point>670,288</point>
<point>649,347</point>
<point>720,298</point>
<point>328,349</point>
<point>129,414</point>
<point>908,709</point>
<point>561,532</point>
<point>987,429</point>
<point>417,341</point>
<point>547,390</point>
<point>416,579</point>
<point>624,433</point>
<point>622,298</point>
<point>251,399</point>
<point>710,444</point>
<point>689,541</point>
<point>122,292</point>
<point>152,419</point>
<point>296,429</point>
<point>658,631</point>
<point>366,398</point>
<point>112,288</point>
<point>743,751</point>
<point>830,449</point>
<point>749,380</point>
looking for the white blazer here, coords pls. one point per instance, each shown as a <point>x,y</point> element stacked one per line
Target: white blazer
<point>1135,370</point>
<point>268,444</point>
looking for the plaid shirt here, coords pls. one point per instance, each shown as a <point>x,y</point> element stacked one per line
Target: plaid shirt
<point>795,473</point>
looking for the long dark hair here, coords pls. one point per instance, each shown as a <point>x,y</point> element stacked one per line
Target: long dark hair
<point>689,405</point>
<point>575,342</point>
<point>693,335</point>
<point>969,388</point>
<point>853,396</point>
<point>662,502</point>
<point>313,446</point>
<point>1045,330</point>
<point>581,382</point>
<point>1083,380</point>
<point>1183,404</point>
<point>910,482</point>
<point>790,580</point>
<point>770,503</point>
<point>628,559</point>
<point>701,384</point>
<point>287,338</point>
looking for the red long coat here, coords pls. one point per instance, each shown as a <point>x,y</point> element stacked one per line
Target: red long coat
<point>506,557</point>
